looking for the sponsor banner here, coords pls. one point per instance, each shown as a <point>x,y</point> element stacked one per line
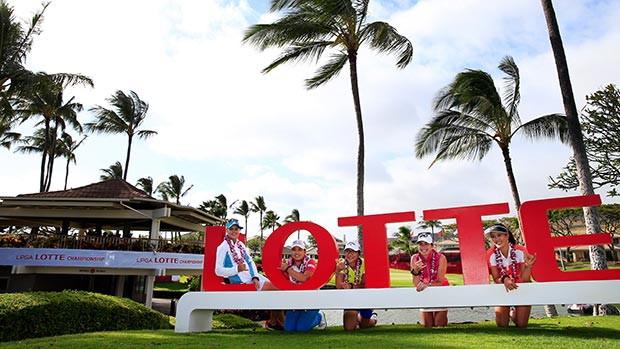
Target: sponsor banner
<point>92,258</point>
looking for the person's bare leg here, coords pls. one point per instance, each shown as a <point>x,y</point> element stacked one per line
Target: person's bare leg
<point>427,318</point>
<point>440,318</point>
<point>521,315</point>
<point>502,316</point>
<point>349,320</point>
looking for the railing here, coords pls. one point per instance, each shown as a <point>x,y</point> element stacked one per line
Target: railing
<point>102,243</point>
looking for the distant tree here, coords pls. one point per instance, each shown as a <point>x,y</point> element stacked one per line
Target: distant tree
<point>311,240</point>
<point>403,240</point>
<point>271,220</point>
<point>294,217</point>
<point>432,224</point>
<point>126,117</point>
<point>259,206</point>
<point>600,124</point>
<point>7,138</point>
<point>610,223</point>
<point>114,171</point>
<point>173,189</point>
<point>562,223</point>
<point>254,244</point>
<point>68,146</point>
<point>146,184</point>
<point>217,207</point>
<point>243,209</point>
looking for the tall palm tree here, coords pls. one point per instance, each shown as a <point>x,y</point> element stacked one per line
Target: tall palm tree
<point>259,206</point>
<point>271,220</point>
<point>294,217</point>
<point>173,188</point>
<point>67,148</point>
<point>598,260</point>
<point>112,172</point>
<point>127,117</point>
<point>46,101</point>
<point>470,116</point>
<point>243,209</point>
<point>146,184</point>
<point>307,28</point>
<point>15,45</point>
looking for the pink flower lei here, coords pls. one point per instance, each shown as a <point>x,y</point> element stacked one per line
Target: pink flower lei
<point>357,271</point>
<point>234,252</point>
<point>513,262</point>
<point>302,266</point>
<point>429,273</point>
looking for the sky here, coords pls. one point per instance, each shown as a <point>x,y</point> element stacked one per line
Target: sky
<point>229,129</point>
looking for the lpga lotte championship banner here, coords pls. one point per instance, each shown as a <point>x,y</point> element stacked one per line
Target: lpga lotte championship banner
<point>53,257</point>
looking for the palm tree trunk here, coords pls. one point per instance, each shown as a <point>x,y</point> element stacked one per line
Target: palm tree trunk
<point>511,178</point>
<point>67,173</point>
<point>360,149</point>
<point>127,158</point>
<point>598,260</point>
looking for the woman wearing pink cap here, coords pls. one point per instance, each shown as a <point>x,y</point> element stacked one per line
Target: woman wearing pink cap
<point>298,269</point>
<point>428,268</point>
<point>509,264</point>
<point>350,274</point>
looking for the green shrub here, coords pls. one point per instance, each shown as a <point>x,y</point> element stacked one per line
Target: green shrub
<point>231,321</point>
<point>43,314</point>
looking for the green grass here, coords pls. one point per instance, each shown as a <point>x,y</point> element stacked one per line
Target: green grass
<point>573,332</point>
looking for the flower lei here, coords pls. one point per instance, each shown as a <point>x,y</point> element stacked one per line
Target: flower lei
<point>429,275</point>
<point>499,260</point>
<point>233,252</point>
<point>357,271</point>
<point>302,266</point>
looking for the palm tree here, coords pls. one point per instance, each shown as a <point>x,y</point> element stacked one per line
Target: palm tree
<point>294,217</point>
<point>46,100</point>
<point>432,224</point>
<point>403,240</point>
<point>146,184</point>
<point>7,138</point>
<point>15,44</point>
<point>271,220</point>
<point>307,28</point>
<point>217,207</point>
<point>67,148</point>
<point>471,116</point>
<point>127,117</point>
<point>259,206</point>
<point>112,172</point>
<point>598,260</point>
<point>173,189</point>
<point>243,210</point>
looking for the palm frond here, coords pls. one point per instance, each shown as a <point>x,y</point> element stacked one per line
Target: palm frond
<point>328,71</point>
<point>512,81</point>
<point>302,52</point>
<point>385,39</point>
<point>551,126</point>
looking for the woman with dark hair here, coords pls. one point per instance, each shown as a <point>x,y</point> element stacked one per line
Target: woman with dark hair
<point>509,264</point>
<point>428,268</point>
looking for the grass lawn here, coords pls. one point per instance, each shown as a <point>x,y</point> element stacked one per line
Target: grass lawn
<point>571,332</point>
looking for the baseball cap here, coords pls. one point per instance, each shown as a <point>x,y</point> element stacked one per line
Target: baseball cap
<point>352,245</point>
<point>231,223</point>
<point>426,237</point>
<point>299,243</point>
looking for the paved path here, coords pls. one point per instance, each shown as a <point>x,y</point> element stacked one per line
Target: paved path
<point>402,316</point>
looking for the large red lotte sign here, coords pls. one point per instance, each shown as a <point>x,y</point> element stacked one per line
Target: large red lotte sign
<point>534,225</point>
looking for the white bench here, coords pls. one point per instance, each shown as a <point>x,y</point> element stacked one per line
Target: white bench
<point>195,309</point>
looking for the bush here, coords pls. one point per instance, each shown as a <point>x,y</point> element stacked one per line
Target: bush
<point>43,314</point>
<point>231,321</point>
